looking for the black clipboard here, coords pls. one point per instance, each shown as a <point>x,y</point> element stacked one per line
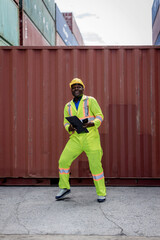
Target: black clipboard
<point>76,122</point>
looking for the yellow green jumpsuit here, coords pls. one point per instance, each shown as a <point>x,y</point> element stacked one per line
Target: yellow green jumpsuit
<point>87,142</point>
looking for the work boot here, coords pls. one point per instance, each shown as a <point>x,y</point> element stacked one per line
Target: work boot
<point>62,193</point>
<point>101,198</point>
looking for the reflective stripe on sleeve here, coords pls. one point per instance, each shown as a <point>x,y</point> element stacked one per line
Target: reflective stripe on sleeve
<point>66,124</point>
<point>69,109</point>
<point>98,177</point>
<point>64,170</point>
<point>86,108</point>
<point>89,118</point>
<point>99,118</point>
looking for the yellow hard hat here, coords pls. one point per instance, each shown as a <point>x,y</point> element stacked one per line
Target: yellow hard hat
<point>76,81</point>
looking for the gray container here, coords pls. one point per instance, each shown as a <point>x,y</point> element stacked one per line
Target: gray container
<point>50,4</point>
<point>38,13</point>
<point>9,22</point>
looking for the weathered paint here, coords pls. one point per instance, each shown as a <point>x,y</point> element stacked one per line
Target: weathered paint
<point>34,89</point>
<point>9,22</point>
<point>38,13</point>
<point>31,35</point>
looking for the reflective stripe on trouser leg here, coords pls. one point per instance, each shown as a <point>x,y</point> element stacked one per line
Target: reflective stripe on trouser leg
<point>64,178</point>
<point>71,151</point>
<point>97,171</point>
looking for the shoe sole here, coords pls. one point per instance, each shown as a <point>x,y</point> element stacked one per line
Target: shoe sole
<point>60,197</point>
<point>101,200</point>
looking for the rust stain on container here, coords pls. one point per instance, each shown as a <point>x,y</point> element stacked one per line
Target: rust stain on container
<point>34,89</point>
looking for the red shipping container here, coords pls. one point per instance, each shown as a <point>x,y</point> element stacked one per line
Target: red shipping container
<point>31,35</point>
<point>73,26</point>
<point>35,87</point>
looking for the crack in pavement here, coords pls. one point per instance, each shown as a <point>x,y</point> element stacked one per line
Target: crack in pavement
<point>17,213</point>
<point>122,231</point>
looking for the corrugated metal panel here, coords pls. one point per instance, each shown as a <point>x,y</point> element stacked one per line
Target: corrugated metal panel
<point>73,27</point>
<point>34,89</point>
<point>3,42</point>
<point>31,35</point>
<point>155,8</point>
<point>40,16</point>
<point>50,4</point>
<point>158,40</point>
<point>9,22</point>
<point>63,29</point>
<point>156,27</point>
<point>59,41</point>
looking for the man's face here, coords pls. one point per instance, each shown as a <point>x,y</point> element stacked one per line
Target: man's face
<point>77,90</point>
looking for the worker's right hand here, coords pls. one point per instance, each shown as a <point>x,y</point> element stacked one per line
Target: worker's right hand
<point>71,128</point>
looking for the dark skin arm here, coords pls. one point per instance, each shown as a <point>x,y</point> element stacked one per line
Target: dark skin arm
<point>89,124</point>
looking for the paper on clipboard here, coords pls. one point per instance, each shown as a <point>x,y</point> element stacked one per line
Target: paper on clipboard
<point>76,122</point>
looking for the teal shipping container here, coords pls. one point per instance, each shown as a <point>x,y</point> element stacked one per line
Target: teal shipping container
<point>50,4</point>
<point>3,42</point>
<point>38,13</point>
<point>9,22</point>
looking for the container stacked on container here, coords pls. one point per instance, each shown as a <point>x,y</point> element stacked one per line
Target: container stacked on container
<point>156,22</point>
<point>38,23</point>
<point>73,27</point>
<point>64,36</point>
<point>9,23</point>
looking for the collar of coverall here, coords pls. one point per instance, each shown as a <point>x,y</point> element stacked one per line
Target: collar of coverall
<point>78,98</point>
<point>83,97</point>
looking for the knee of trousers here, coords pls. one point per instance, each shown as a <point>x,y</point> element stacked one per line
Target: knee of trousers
<point>95,159</point>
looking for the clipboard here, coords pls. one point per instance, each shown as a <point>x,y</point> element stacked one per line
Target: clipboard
<point>76,122</point>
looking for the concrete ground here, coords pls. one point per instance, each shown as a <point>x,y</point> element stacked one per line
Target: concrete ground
<point>32,213</point>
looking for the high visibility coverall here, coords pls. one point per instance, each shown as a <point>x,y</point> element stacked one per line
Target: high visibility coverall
<point>87,142</point>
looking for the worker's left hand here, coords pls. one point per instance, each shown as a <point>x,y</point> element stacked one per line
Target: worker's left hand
<point>89,124</point>
<point>71,128</point>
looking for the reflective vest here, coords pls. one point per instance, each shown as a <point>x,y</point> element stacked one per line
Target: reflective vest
<point>88,108</point>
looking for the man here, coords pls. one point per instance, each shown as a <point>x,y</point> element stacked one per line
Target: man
<point>83,107</point>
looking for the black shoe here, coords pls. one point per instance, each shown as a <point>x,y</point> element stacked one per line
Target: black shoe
<point>101,199</point>
<point>62,193</point>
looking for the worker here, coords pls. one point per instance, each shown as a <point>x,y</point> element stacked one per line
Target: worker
<point>84,107</point>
